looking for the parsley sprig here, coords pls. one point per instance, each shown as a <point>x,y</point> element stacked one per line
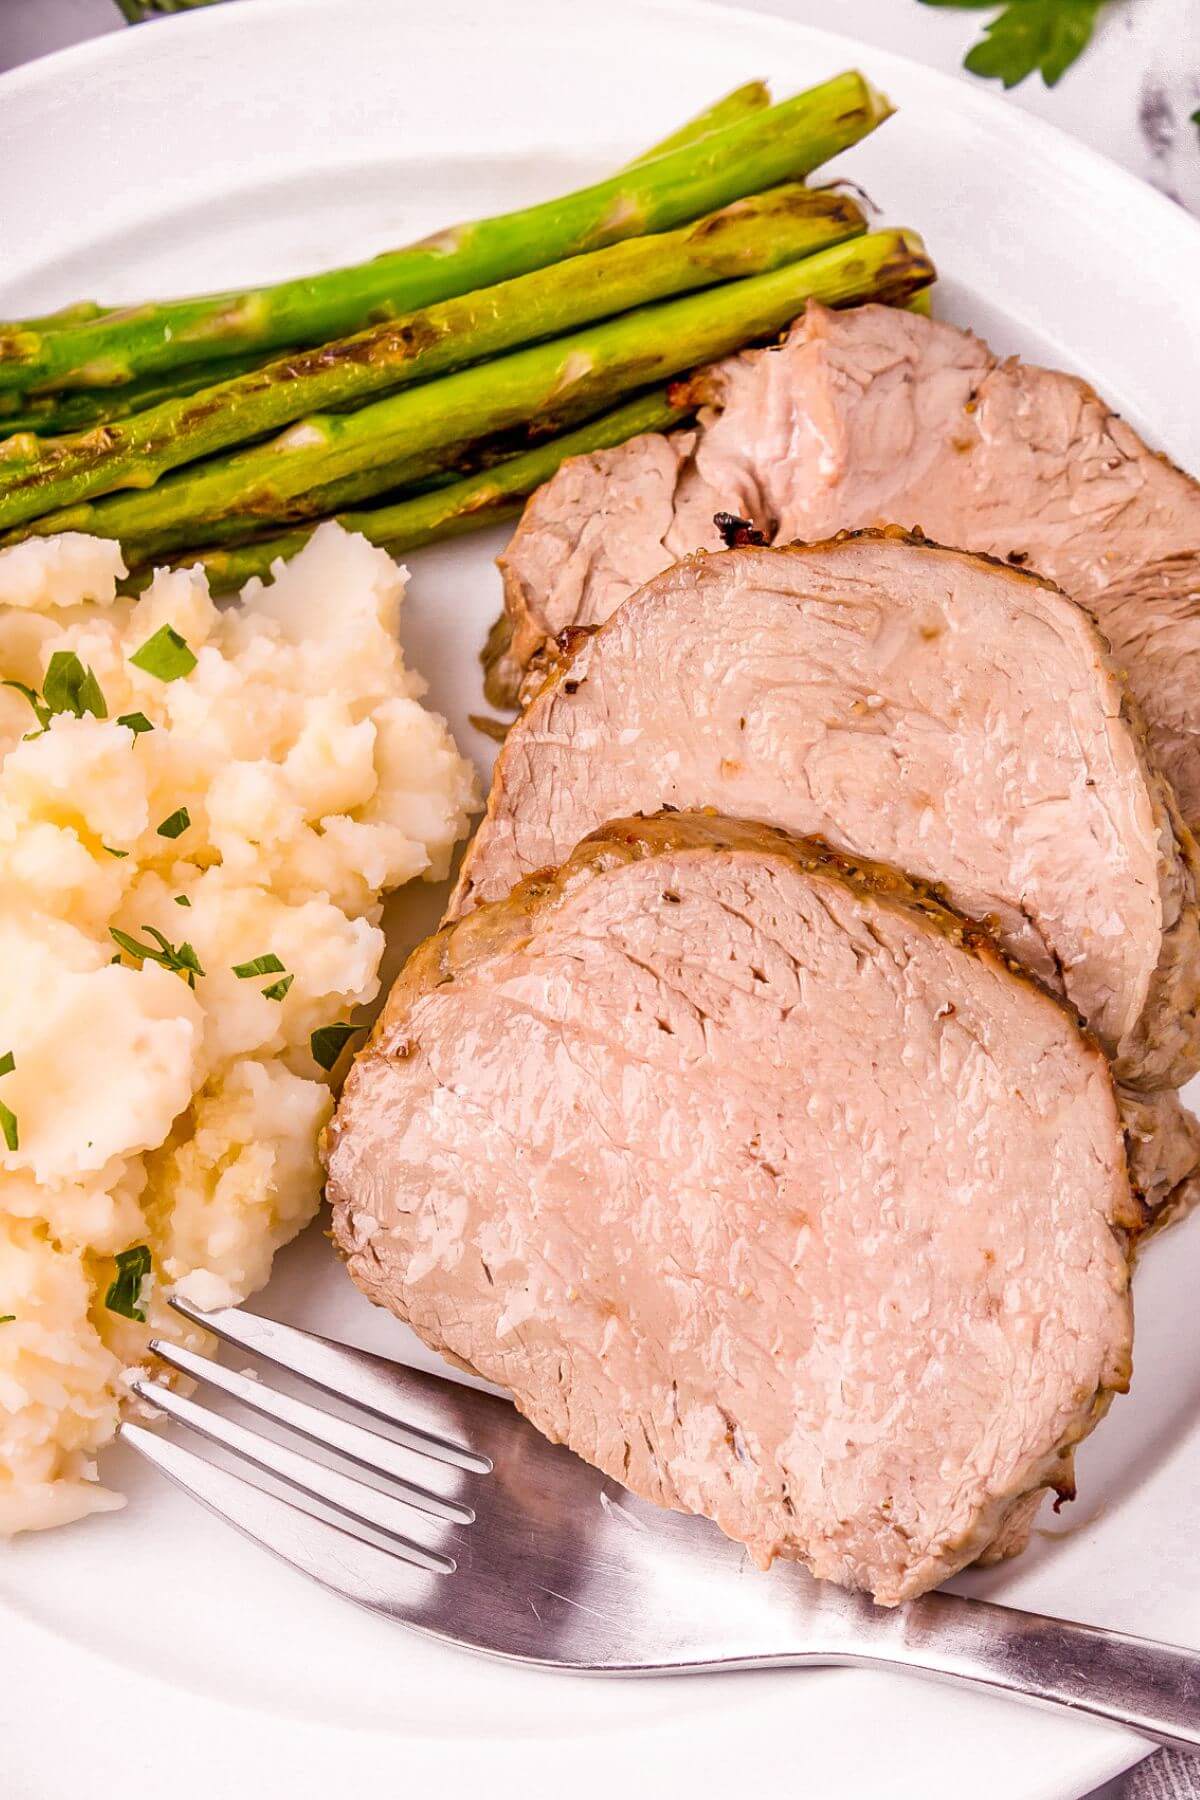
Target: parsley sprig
<point>124,1294</point>
<point>1029,35</point>
<point>67,687</point>
<point>258,965</point>
<point>8,1118</point>
<point>181,959</point>
<point>268,964</point>
<point>166,655</point>
<point>176,824</point>
<point>328,1042</point>
<point>138,11</point>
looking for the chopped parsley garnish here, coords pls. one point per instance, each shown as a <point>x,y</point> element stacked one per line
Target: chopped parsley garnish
<point>266,965</point>
<point>8,1118</point>
<point>181,959</point>
<point>68,687</point>
<point>1025,35</point>
<point>41,712</point>
<point>125,1291</point>
<point>113,852</point>
<point>177,824</point>
<point>136,722</point>
<point>166,655</point>
<point>261,965</point>
<point>182,900</point>
<point>328,1042</point>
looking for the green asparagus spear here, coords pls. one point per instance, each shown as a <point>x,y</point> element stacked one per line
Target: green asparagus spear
<point>81,409</point>
<point>454,509</point>
<point>79,312</point>
<point>783,143</point>
<point>56,413</point>
<point>433,426</point>
<point>408,477</point>
<point>751,236</point>
<point>753,97</point>
<point>743,101</point>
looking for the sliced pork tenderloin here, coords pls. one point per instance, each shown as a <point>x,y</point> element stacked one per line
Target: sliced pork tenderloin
<point>1162,1143</point>
<point>603,525</point>
<point>762,1181</point>
<point>1152,620</point>
<point>874,416</point>
<point>942,712</point>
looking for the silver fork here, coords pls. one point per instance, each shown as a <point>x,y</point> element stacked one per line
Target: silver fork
<point>488,1536</point>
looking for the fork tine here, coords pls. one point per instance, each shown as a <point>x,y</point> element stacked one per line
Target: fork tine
<point>368,1448</point>
<point>367,1505</point>
<point>403,1397</point>
<point>336,1558</point>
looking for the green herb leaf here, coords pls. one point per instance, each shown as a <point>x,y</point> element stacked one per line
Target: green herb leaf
<point>177,824</point>
<point>40,712</point>
<point>70,688</point>
<point>137,12</point>
<point>137,722</point>
<point>125,1291</point>
<point>113,852</point>
<point>7,1318</point>
<point>182,900</point>
<point>278,989</point>
<point>329,1041</point>
<point>1029,35</point>
<point>8,1118</point>
<point>166,655</point>
<point>180,959</point>
<point>261,965</point>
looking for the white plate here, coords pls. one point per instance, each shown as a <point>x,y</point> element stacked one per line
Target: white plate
<point>253,142</point>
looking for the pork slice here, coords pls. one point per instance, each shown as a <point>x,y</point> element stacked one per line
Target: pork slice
<point>874,416</point>
<point>1151,618</point>
<point>762,1181</point>
<point>939,711</point>
<point>617,517</point>
<point>1162,1143</point>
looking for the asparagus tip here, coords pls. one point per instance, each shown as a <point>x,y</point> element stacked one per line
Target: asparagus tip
<point>880,105</point>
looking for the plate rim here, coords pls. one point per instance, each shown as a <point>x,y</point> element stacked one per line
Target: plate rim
<point>1068,155</point>
<point>973,96</point>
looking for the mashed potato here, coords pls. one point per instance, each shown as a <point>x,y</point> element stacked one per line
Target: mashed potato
<point>200,811</point>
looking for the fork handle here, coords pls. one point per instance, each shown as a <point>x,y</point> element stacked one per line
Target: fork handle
<point>1154,1689</point>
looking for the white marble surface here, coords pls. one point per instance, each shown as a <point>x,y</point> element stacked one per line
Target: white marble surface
<point>1131,96</point>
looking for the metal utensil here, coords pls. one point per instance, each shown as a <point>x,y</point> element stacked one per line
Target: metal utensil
<point>486,1535</point>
